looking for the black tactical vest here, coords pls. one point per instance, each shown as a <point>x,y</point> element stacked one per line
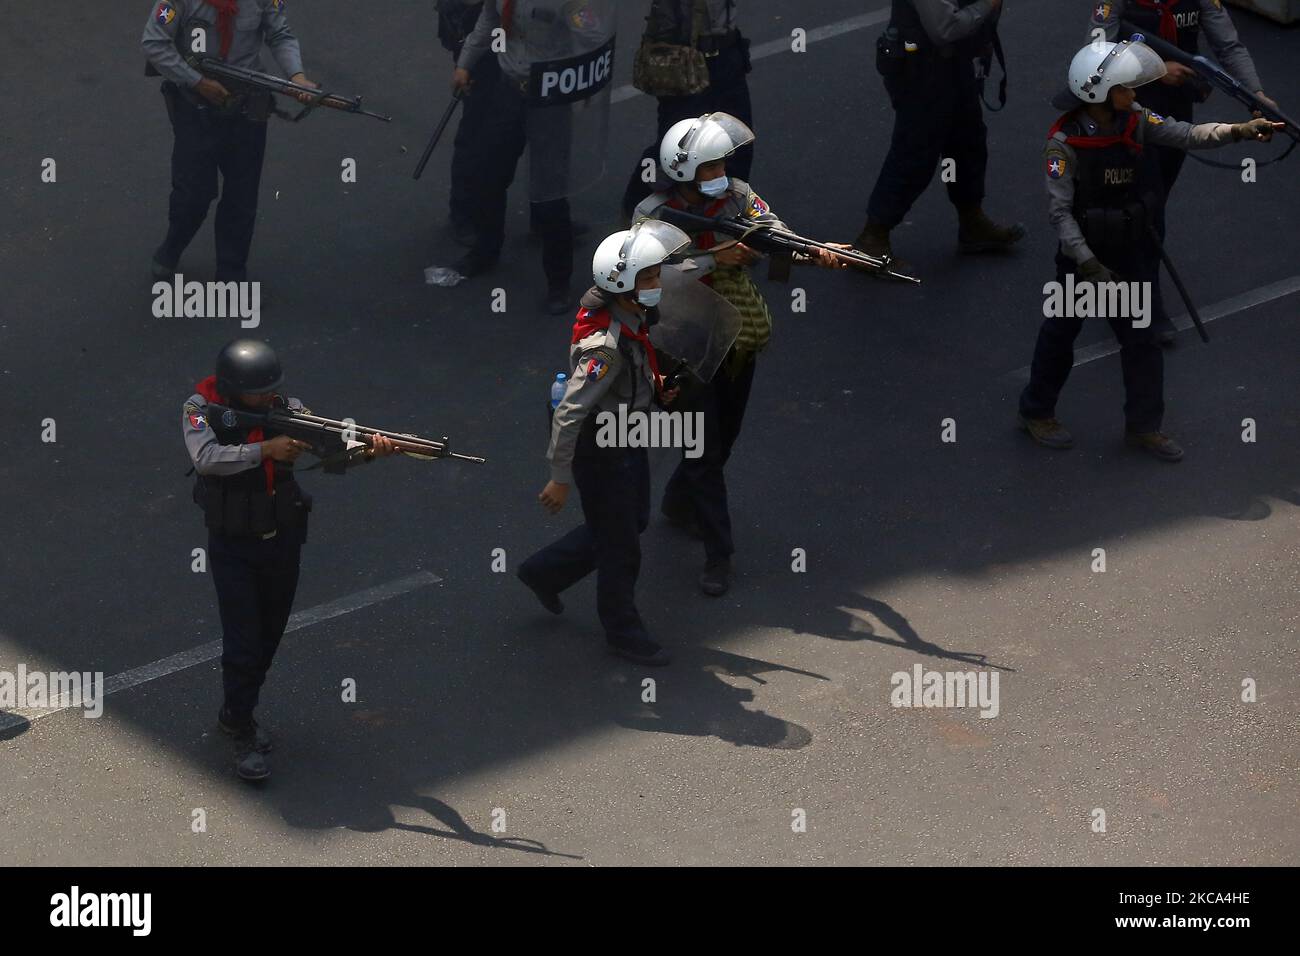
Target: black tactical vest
<point>239,505</point>
<point>1116,188</point>
<point>904,18</point>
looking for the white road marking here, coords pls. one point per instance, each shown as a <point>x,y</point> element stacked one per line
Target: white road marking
<point>782,45</point>
<point>1218,310</point>
<point>212,650</point>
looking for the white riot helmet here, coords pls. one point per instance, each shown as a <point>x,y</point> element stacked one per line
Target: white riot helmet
<point>621,256</point>
<point>692,142</point>
<point>1099,66</point>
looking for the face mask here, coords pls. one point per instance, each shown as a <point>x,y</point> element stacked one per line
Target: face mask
<point>714,187</point>
<point>649,297</point>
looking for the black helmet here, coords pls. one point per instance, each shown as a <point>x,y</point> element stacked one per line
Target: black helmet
<point>247,367</point>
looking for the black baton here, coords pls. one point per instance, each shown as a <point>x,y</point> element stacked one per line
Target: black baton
<point>1178,284</point>
<point>437,134</point>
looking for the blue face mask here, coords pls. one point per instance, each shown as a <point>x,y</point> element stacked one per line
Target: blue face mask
<point>649,297</point>
<point>715,187</point>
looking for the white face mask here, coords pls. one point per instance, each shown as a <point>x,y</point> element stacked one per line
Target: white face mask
<point>714,187</point>
<point>649,297</point>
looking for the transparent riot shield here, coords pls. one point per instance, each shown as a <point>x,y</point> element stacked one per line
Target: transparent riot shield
<point>570,44</point>
<point>695,324</point>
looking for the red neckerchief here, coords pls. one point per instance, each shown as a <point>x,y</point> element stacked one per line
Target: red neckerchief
<point>1168,23</point>
<point>589,321</point>
<point>705,240</point>
<point>227,10</point>
<point>508,16</point>
<point>208,389</point>
<point>1100,142</point>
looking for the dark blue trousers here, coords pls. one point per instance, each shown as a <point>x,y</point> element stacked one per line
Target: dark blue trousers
<point>614,485</point>
<point>937,114</point>
<point>1140,356</point>
<point>255,580</point>
<point>698,487</point>
<point>205,145</point>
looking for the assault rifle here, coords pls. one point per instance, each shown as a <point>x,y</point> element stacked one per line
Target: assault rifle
<point>334,443</point>
<point>254,81</point>
<point>778,243</point>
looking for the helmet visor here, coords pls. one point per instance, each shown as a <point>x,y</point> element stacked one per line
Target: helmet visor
<point>1136,65</point>
<point>652,239</point>
<point>736,131</point>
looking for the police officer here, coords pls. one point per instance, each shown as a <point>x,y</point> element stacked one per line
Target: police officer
<point>211,133</point>
<point>1181,22</point>
<point>456,19</point>
<point>929,73</point>
<point>717,35</point>
<point>256,516</point>
<point>1104,193</point>
<point>612,365</point>
<point>694,159</point>
<point>500,140</point>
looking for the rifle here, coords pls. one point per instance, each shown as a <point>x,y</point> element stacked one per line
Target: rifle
<point>329,438</point>
<point>1210,72</point>
<point>256,81</point>
<point>437,134</point>
<point>778,243</point>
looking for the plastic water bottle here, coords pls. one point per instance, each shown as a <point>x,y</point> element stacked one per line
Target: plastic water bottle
<point>558,388</point>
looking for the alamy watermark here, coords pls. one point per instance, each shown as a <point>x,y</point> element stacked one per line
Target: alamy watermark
<point>1084,299</point>
<point>41,690</point>
<point>179,299</point>
<point>946,689</point>
<point>654,429</point>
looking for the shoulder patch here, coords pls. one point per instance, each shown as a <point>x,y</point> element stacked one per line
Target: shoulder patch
<point>757,206</point>
<point>197,420</point>
<point>165,13</point>
<point>596,365</point>
<point>1155,119</point>
<point>1056,165</point>
<point>1101,11</point>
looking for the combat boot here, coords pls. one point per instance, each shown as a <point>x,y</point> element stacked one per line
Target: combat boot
<point>1048,432</point>
<point>716,577</point>
<point>977,233</point>
<point>1155,443</point>
<point>249,764</point>
<point>641,650</point>
<point>261,739</point>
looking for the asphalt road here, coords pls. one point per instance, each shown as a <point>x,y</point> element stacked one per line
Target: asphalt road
<point>1119,691</point>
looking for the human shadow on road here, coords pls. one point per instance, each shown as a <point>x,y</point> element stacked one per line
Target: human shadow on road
<point>863,629</point>
<point>695,700</point>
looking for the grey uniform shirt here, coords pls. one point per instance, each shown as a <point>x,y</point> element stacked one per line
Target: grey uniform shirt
<point>740,200</point>
<point>1153,128</point>
<point>538,32</point>
<point>258,21</point>
<point>947,23</point>
<point>606,369</point>
<point>1216,25</point>
<point>209,456</point>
